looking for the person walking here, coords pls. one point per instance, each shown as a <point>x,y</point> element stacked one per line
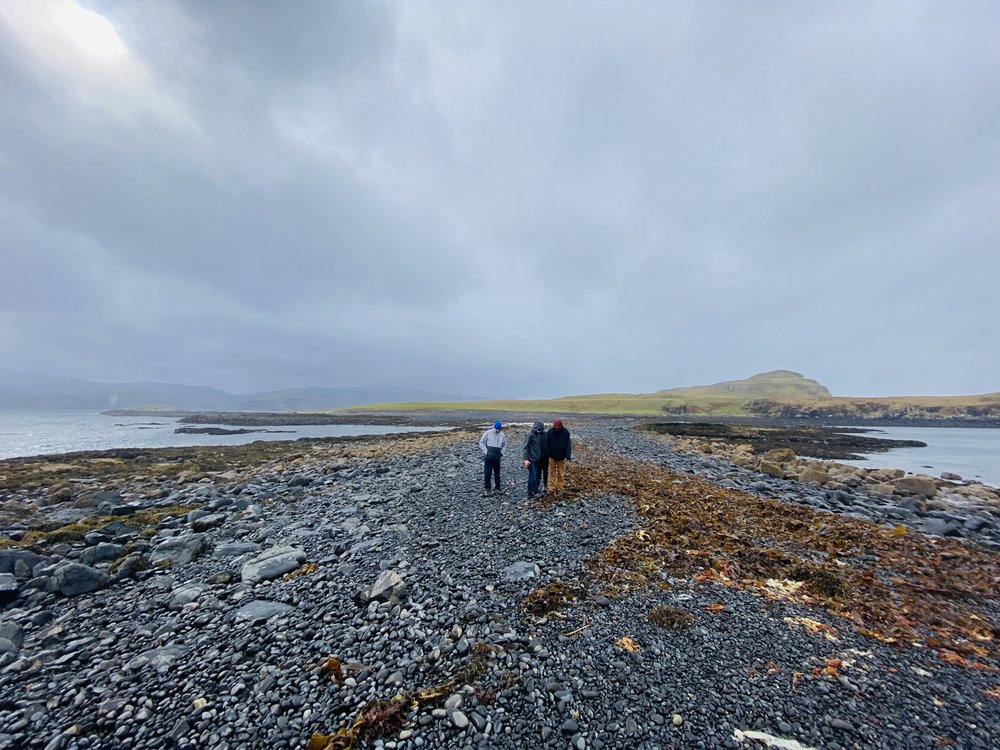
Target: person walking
<point>560,450</point>
<point>492,444</point>
<point>532,455</point>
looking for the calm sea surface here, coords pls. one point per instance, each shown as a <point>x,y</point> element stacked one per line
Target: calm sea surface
<point>29,433</point>
<point>971,452</point>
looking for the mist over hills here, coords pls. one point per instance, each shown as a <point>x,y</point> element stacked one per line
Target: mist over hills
<point>20,390</point>
<point>779,393</point>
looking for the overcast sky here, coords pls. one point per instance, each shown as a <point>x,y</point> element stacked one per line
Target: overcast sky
<point>502,199</point>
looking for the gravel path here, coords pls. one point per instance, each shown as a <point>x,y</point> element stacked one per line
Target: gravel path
<point>191,656</point>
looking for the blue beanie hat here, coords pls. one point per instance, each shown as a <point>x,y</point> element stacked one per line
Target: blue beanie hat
<point>497,425</point>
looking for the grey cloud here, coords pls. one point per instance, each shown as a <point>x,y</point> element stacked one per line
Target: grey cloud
<point>509,199</point>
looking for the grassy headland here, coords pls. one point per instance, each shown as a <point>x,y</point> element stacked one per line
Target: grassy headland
<point>781,393</point>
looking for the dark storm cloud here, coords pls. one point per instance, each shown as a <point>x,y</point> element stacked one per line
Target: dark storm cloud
<point>513,199</point>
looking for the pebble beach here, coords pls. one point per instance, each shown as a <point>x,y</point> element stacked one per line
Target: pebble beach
<point>361,592</point>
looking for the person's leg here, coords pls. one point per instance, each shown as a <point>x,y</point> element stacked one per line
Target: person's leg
<point>543,474</point>
<point>552,473</point>
<point>560,468</point>
<point>496,474</point>
<point>532,478</point>
<point>486,474</point>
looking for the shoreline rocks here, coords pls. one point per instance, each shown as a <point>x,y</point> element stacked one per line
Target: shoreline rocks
<point>189,651</point>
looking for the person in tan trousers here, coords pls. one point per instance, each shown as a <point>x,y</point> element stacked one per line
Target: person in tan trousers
<point>560,449</point>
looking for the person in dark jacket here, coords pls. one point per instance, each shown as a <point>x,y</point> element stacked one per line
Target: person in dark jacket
<point>560,450</point>
<point>532,455</point>
<point>543,466</point>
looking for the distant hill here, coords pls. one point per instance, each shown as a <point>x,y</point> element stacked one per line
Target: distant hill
<point>774,384</point>
<point>41,392</point>
<point>314,399</point>
<point>781,393</point>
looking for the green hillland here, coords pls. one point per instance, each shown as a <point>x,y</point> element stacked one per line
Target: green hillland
<point>781,393</point>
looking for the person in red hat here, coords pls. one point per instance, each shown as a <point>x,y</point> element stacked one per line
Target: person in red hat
<point>560,449</point>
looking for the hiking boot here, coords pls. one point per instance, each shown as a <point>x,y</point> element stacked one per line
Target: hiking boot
<point>487,493</point>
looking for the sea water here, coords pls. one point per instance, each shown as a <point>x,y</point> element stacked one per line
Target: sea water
<point>33,433</point>
<point>970,452</point>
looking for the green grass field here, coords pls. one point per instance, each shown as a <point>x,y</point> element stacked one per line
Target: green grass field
<point>730,398</point>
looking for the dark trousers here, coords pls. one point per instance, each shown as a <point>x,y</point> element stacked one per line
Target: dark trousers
<point>491,465</point>
<point>533,477</point>
<point>543,472</point>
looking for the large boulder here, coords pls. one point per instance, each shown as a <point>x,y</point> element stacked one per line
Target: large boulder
<point>101,552</point>
<point>780,455</point>
<point>771,469</point>
<point>129,567</point>
<point>886,475</point>
<point>815,475</point>
<point>206,522</point>
<point>73,579</point>
<point>916,485</point>
<point>272,563</point>
<point>882,488</point>
<point>12,631</point>
<point>8,588</point>
<point>178,550</point>
<point>20,562</point>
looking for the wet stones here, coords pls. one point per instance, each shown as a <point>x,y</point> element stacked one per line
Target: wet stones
<point>260,610</point>
<point>235,549</point>
<point>387,587</point>
<point>272,563</point>
<point>521,571</point>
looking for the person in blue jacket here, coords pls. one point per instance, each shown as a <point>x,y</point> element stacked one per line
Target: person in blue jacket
<point>492,444</point>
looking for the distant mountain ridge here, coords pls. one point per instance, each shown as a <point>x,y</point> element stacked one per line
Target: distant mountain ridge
<point>20,390</point>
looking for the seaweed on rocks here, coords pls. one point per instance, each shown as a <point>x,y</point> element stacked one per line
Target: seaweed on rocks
<point>909,589</point>
<point>549,598</point>
<point>842,443</point>
<point>382,718</point>
<point>673,618</point>
<point>375,720</point>
<point>49,533</point>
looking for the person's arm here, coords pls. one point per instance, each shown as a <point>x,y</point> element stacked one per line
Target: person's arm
<point>482,442</point>
<point>524,450</point>
<point>503,442</point>
<point>569,448</point>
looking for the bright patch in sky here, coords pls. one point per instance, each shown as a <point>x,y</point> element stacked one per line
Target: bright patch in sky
<point>91,31</point>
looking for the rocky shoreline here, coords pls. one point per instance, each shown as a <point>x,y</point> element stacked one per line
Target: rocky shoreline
<point>359,592</point>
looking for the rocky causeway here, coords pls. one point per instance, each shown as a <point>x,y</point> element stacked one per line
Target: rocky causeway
<point>361,592</point>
